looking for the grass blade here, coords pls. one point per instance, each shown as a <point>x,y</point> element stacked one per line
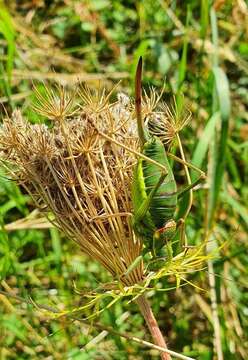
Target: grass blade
<point>204,18</point>
<point>203,144</point>
<point>8,32</point>
<point>223,97</point>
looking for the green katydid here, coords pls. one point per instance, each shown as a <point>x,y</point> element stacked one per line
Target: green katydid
<point>154,192</point>
<point>154,189</point>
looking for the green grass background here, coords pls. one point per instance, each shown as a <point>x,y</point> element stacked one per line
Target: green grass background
<point>198,48</point>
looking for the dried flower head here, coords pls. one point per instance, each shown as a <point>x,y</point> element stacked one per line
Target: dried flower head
<point>168,121</point>
<point>78,175</point>
<point>81,168</point>
<point>55,104</point>
<point>94,100</point>
<point>150,101</point>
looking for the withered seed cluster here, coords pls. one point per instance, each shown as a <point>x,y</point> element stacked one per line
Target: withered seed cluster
<point>80,170</point>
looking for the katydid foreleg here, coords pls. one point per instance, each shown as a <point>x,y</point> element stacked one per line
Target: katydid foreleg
<point>202,176</point>
<point>144,207</point>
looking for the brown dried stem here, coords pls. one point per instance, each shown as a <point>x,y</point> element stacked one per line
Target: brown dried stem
<point>152,324</point>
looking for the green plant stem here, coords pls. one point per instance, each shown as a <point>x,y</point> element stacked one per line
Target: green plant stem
<point>214,306</point>
<point>152,324</point>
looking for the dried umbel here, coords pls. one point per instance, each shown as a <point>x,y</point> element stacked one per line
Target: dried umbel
<point>80,170</point>
<point>81,177</point>
<point>167,121</point>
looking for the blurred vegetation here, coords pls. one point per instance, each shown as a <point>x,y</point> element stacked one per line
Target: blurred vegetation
<point>195,47</point>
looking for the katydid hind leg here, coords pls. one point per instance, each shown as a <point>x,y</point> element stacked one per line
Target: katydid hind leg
<point>132,151</point>
<point>188,187</point>
<point>188,164</point>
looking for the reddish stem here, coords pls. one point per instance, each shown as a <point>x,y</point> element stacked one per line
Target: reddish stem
<point>152,324</point>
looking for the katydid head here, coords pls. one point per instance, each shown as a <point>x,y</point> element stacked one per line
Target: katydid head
<point>166,233</point>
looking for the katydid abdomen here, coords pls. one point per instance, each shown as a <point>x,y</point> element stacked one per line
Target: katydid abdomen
<point>162,205</point>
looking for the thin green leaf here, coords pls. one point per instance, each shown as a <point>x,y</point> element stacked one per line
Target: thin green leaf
<point>202,145</point>
<point>8,32</point>
<point>204,17</point>
<point>223,102</point>
<point>56,244</point>
<point>183,62</point>
<point>237,207</point>
<point>214,28</point>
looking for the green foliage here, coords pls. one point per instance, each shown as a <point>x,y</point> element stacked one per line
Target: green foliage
<point>8,33</point>
<point>203,54</point>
